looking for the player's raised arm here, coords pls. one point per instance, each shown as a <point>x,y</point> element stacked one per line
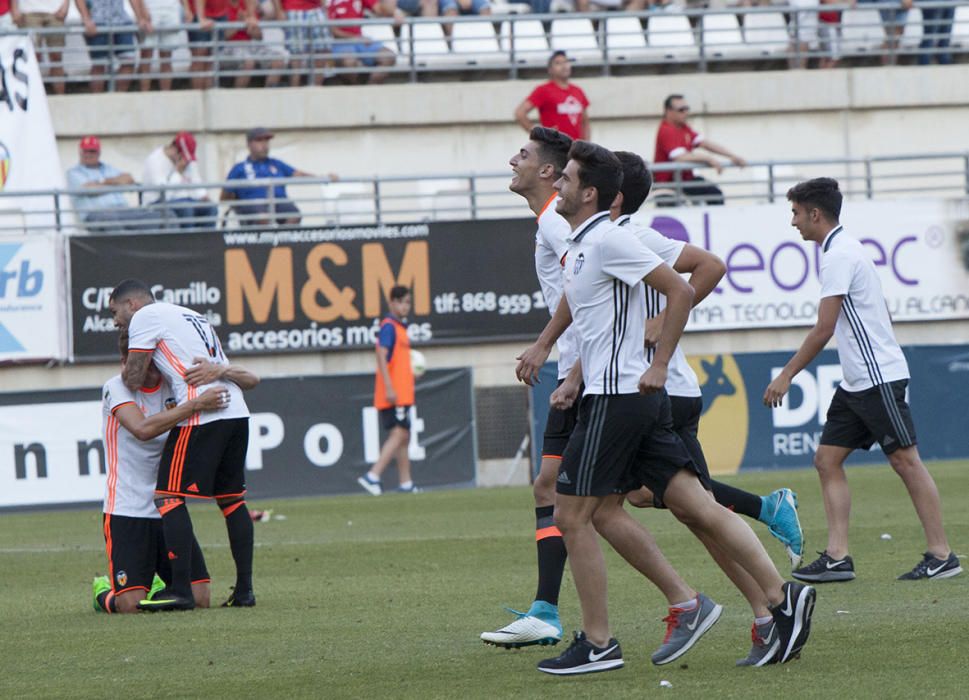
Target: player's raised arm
<point>135,369</point>
<point>131,417</point>
<point>814,343</point>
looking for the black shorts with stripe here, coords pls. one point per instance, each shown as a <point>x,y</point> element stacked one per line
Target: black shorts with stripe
<point>205,460</point>
<point>559,425</point>
<point>396,417</point>
<point>136,552</point>
<point>622,442</point>
<point>686,412</point>
<point>859,419</point>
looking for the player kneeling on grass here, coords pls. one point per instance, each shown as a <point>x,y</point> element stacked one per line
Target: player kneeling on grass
<point>136,425</point>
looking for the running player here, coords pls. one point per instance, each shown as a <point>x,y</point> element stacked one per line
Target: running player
<point>393,395</point>
<point>624,427</point>
<point>537,165</point>
<point>204,456</point>
<point>134,430</point>
<point>869,406</point>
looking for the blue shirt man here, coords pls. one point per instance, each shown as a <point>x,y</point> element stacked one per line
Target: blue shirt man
<point>259,166</point>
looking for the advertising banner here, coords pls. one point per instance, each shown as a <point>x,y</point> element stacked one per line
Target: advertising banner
<point>28,150</point>
<point>309,290</point>
<point>738,432</point>
<point>31,297</point>
<point>307,436</point>
<point>772,275</point>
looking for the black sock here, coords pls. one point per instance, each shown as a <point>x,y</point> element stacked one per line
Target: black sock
<point>106,601</point>
<point>737,500</point>
<point>551,555</point>
<point>177,525</point>
<point>239,524</point>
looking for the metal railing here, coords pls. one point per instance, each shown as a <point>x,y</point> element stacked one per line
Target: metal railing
<point>603,42</point>
<point>458,196</point>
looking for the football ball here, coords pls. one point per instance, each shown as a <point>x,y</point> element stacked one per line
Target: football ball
<point>417,363</point>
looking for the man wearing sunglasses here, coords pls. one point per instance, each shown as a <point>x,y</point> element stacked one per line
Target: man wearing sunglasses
<point>676,142</point>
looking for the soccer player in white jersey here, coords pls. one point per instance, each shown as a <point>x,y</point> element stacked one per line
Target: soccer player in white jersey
<point>869,406</point>
<point>624,429</point>
<point>204,456</point>
<point>537,165</point>
<point>135,425</point>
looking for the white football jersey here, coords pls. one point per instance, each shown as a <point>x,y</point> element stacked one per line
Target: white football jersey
<point>177,335</point>
<point>132,464</point>
<point>867,348</point>
<point>604,269</point>
<point>551,245</point>
<point>681,380</point>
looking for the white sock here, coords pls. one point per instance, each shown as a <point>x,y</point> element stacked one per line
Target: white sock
<point>762,620</point>
<point>407,485</point>
<point>688,605</point>
<point>371,477</point>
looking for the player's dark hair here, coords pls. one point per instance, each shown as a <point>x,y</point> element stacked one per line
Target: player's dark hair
<point>668,102</point>
<point>555,54</point>
<point>599,168</point>
<point>636,181</point>
<point>398,292</point>
<point>820,193</point>
<point>130,288</point>
<point>553,146</point>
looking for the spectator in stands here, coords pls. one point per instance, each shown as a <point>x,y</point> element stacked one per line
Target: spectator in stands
<point>259,166</point>
<point>163,15</point>
<point>43,14</point>
<point>245,49</point>
<point>615,5</point>
<point>560,104</point>
<point>97,209</point>
<point>175,164</point>
<point>893,23</point>
<point>453,8</point>
<point>207,13</point>
<point>7,8</point>
<point>110,35</point>
<point>803,29</point>
<point>675,142</point>
<point>308,40</point>
<point>829,35</point>
<point>351,48</point>
<point>936,35</point>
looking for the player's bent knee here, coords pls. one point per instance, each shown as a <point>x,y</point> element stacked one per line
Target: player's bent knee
<point>166,504</point>
<point>127,602</point>
<point>202,592</point>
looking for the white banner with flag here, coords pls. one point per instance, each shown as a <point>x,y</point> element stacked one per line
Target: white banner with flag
<point>29,160</point>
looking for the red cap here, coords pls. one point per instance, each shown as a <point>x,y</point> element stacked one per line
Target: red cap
<point>185,143</point>
<point>90,143</point>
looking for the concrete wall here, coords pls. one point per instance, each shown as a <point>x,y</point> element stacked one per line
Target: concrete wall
<point>440,128</point>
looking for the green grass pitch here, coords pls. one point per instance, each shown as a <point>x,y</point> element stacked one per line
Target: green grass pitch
<point>362,597</point>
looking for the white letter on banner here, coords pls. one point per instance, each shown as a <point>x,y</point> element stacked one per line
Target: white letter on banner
<point>829,376</point>
<point>334,444</point>
<point>266,431</point>
<point>371,435</point>
<point>414,449</point>
<point>785,415</point>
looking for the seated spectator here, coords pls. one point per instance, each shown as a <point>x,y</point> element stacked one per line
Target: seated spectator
<point>175,164</point>
<point>203,40</point>
<point>245,51</point>
<point>936,35</point>
<point>110,35</point>
<point>308,40</point>
<point>259,166</point>
<point>893,23</point>
<point>453,8</point>
<point>43,14</point>
<point>97,209</point>
<point>163,16</point>
<point>803,29</point>
<point>675,142</point>
<point>829,35</point>
<point>614,5</point>
<point>351,48</point>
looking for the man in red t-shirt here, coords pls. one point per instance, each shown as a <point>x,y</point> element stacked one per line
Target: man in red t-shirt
<point>350,47</point>
<point>560,104</point>
<point>675,142</point>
